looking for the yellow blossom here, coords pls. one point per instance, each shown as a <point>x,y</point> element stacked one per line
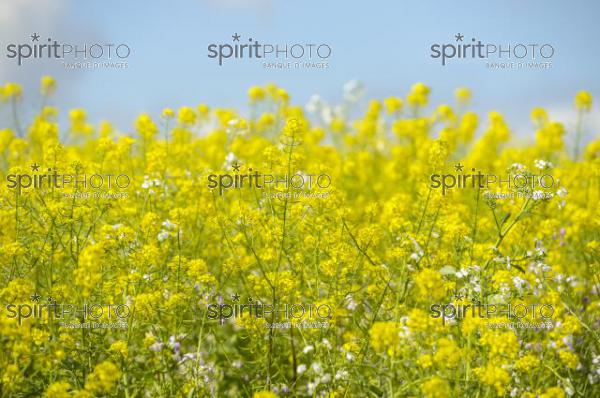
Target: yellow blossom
<point>583,100</point>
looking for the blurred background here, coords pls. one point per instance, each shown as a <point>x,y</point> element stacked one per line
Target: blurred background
<point>383,44</point>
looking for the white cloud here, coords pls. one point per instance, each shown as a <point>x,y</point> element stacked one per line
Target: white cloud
<point>20,18</point>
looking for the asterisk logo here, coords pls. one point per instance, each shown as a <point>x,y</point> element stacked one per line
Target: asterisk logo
<point>35,167</point>
<point>458,167</point>
<point>459,37</point>
<point>235,297</point>
<point>457,294</point>
<point>35,297</point>
<point>35,37</point>
<point>236,37</point>
<point>236,166</point>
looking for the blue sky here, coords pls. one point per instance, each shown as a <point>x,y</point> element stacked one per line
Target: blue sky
<point>384,44</point>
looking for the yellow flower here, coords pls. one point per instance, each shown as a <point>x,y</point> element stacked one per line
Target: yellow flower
<point>539,116</point>
<point>77,116</point>
<point>445,113</point>
<point>493,376</point>
<point>583,101</point>
<point>419,95</point>
<point>120,347</point>
<point>264,394</point>
<point>88,273</point>
<point>12,91</point>
<point>145,126</point>
<point>10,374</point>
<point>430,284</point>
<point>58,389</point>
<point>393,104</point>
<point>47,85</point>
<point>203,110</point>
<point>256,94</point>
<point>385,337</point>
<point>436,387</point>
<point>425,361</point>
<point>502,345</point>
<point>282,96</point>
<point>527,364</point>
<point>198,271</point>
<point>463,95</point>
<point>438,153</point>
<point>168,113</point>
<point>103,379</point>
<point>186,115</point>
<point>553,392</point>
<point>550,136</point>
<point>569,359</point>
<point>448,353</point>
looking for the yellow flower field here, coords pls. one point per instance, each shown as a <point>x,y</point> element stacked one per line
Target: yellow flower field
<point>416,250</point>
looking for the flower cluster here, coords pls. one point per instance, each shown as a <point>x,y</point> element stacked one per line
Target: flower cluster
<point>378,247</point>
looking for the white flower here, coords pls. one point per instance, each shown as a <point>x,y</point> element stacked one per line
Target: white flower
<point>449,321</point>
<point>187,357</point>
<point>519,282</point>
<point>418,249</point>
<point>316,367</point>
<point>308,349</point>
<point>314,104</point>
<point>569,391</point>
<point>341,374</point>
<point>157,346</point>
<point>301,368</point>
<point>237,364</point>
<point>516,167</point>
<point>351,303</point>
<point>542,164</point>
<point>327,115</point>
<point>230,158</point>
<point>462,273</point>
<point>168,224</point>
<point>353,90</point>
<point>148,183</point>
<point>162,235</point>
